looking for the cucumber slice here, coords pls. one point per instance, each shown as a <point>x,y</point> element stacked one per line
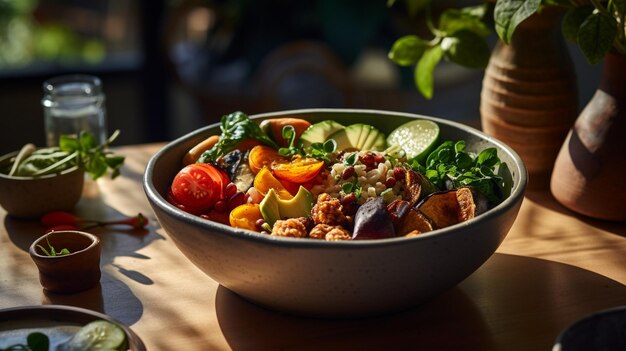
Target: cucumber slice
<point>97,335</point>
<point>319,132</point>
<point>359,136</point>
<point>417,138</point>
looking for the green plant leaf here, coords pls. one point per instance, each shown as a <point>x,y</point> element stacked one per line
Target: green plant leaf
<point>596,35</point>
<point>455,20</point>
<point>620,6</point>
<point>68,143</point>
<point>408,50</point>
<point>87,141</point>
<point>478,11</point>
<point>97,167</point>
<point>508,14</point>
<point>466,49</point>
<point>38,341</point>
<point>425,71</point>
<point>572,21</point>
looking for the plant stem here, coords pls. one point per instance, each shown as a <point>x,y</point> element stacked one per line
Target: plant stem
<point>55,165</point>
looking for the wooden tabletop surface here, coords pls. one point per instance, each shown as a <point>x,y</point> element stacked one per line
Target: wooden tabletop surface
<point>553,268</point>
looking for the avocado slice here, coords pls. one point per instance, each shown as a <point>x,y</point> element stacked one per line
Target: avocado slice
<point>274,208</point>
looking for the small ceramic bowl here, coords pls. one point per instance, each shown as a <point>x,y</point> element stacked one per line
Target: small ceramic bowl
<point>603,330</point>
<point>31,197</point>
<point>342,278</point>
<point>77,271</point>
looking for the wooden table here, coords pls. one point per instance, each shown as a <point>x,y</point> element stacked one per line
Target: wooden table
<point>553,268</point>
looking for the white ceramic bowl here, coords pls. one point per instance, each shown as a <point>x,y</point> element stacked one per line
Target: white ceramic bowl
<point>335,279</point>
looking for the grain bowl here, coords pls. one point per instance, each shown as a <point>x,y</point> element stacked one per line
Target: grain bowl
<point>342,278</point>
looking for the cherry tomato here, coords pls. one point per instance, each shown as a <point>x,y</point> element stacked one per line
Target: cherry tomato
<point>197,187</point>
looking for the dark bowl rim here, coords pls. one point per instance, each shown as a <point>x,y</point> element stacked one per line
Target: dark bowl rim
<point>517,192</point>
<point>587,319</point>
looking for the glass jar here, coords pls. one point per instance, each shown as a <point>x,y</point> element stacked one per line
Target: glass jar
<point>71,104</point>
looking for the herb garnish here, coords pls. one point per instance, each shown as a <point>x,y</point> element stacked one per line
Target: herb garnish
<point>35,341</point>
<point>323,151</point>
<point>83,151</point>
<point>51,251</point>
<point>450,166</point>
<point>235,127</point>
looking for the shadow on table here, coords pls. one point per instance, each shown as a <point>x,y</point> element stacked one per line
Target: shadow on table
<point>111,296</point>
<point>511,303</point>
<point>545,198</point>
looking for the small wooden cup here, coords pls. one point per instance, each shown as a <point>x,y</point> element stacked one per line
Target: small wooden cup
<point>77,271</point>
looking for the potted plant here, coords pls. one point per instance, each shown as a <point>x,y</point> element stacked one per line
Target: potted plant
<point>34,180</point>
<point>68,261</point>
<point>529,97</point>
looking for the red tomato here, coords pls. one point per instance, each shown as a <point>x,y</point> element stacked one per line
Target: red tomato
<point>197,187</point>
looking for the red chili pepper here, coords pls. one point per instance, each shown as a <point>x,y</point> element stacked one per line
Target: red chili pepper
<point>56,218</point>
<point>69,221</point>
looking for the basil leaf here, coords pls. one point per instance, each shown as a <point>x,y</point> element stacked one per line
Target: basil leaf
<point>478,11</point>
<point>407,50</point>
<point>488,157</point>
<point>68,143</point>
<point>596,35</point>
<point>97,167</point>
<point>235,127</point>
<point>572,21</point>
<point>510,13</point>
<point>455,20</point>
<point>466,49</point>
<point>425,70</point>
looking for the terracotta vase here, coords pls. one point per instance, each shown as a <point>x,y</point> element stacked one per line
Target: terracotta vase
<point>529,98</point>
<point>590,170</point>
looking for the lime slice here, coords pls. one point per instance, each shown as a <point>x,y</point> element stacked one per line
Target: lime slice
<point>417,138</point>
<point>97,335</point>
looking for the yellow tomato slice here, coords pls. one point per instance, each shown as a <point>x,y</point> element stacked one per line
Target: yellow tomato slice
<point>299,170</point>
<point>245,216</point>
<point>264,181</point>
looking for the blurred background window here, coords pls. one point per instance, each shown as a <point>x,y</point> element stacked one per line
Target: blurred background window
<point>171,66</point>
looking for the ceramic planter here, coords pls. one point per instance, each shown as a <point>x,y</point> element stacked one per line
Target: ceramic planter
<point>31,197</point>
<point>590,170</point>
<point>77,271</point>
<point>529,98</point>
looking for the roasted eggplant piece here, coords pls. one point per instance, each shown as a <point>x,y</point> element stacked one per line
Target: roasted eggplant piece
<point>417,187</point>
<point>413,223</point>
<point>230,162</point>
<point>447,208</point>
<point>372,221</point>
<point>236,167</point>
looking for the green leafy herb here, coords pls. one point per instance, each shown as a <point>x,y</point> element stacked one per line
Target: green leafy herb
<point>596,26</point>
<point>351,159</point>
<point>51,251</point>
<point>322,151</point>
<point>408,50</point>
<point>82,151</point>
<point>509,14</point>
<point>450,166</point>
<point>35,341</point>
<point>459,37</point>
<point>235,127</point>
<point>95,159</point>
<point>289,133</point>
<point>596,35</point>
